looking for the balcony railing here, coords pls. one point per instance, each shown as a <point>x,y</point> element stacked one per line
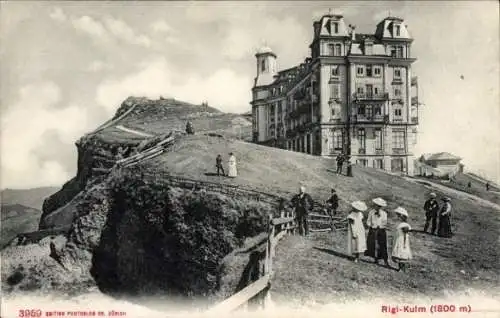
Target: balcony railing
<point>371,96</point>
<point>370,119</point>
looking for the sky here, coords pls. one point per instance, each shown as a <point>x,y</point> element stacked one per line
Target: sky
<point>67,66</point>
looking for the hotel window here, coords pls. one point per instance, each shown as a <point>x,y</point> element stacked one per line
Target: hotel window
<point>360,71</point>
<point>334,91</point>
<point>398,112</point>
<point>397,73</point>
<point>369,71</point>
<point>399,51</point>
<point>397,91</point>
<point>335,27</point>
<point>331,50</point>
<point>377,110</point>
<point>338,50</point>
<point>361,110</point>
<point>335,70</point>
<point>360,90</point>
<point>377,71</point>
<point>375,91</point>
<point>378,139</point>
<point>378,164</point>
<point>398,139</point>
<point>337,139</point>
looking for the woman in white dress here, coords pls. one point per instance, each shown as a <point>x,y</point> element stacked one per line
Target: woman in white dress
<point>233,172</point>
<point>401,251</point>
<point>356,241</point>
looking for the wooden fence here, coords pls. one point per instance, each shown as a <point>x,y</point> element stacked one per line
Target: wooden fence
<point>260,289</point>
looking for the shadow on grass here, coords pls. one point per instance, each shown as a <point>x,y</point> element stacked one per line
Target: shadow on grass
<point>423,232</point>
<point>345,256</point>
<point>214,174</point>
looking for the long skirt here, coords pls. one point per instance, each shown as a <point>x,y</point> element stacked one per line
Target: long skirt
<point>444,228</point>
<point>377,244</point>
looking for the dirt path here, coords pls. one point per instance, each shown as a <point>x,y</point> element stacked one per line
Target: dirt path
<point>461,194</point>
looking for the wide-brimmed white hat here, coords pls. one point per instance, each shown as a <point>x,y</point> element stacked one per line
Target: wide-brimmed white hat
<point>380,202</point>
<point>432,194</point>
<point>359,206</point>
<point>446,199</point>
<point>402,211</point>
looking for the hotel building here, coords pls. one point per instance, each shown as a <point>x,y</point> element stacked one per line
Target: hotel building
<point>354,94</point>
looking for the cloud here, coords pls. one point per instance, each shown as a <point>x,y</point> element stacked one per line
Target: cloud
<point>97,66</point>
<point>223,88</point>
<point>24,128</point>
<point>58,15</point>
<point>110,28</point>
<point>161,26</point>
<point>123,31</point>
<point>244,37</point>
<point>90,26</point>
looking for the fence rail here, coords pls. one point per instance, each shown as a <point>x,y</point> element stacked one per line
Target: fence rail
<point>260,290</point>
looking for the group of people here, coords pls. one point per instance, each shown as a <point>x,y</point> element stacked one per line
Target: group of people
<point>375,243</point>
<point>232,170</point>
<point>433,212</point>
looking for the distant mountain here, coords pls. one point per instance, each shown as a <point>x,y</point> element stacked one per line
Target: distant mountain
<point>32,198</point>
<point>17,218</point>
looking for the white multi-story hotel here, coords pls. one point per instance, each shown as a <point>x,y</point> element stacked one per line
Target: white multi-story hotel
<point>354,94</point>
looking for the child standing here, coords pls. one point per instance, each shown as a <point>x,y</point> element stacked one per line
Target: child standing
<point>401,251</point>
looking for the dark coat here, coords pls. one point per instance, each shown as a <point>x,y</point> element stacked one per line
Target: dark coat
<point>431,207</point>
<point>333,201</point>
<point>302,204</point>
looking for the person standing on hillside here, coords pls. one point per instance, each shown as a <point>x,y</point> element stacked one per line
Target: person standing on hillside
<point>444,229</point>
<point>356,242</point>
<point>431,208</point>
<point>340,162</point>
<point>233,171</point>
<point>218,165</point>
<point>332,203</point>
<point>189,128</point>
<point>401,251</point>
<point>377,235</point>
<point>487,186</point>
<point>302,204</point>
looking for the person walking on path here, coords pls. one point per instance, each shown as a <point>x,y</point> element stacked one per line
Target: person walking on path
<point>356,242</point>
<point>401,251</point>
<point>332,203</point>
<point>377,236</point>
<point>444,229</point>
<point>431,208</point>
<point>302,204</point>
<point>218,165</point>
<point>340,162</point>
<point>233,172</point>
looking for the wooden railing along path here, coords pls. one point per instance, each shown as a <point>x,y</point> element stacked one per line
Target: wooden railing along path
<point>260,289</point>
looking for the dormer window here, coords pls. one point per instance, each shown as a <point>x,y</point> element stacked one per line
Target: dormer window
<point>263,65</point>
<point>398,30</point>
<point>335,27</point>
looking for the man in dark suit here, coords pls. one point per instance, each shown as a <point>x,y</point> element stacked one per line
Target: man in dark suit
<point>431,208</point>
<point>302,204</point>
<point>218,165</point>
<point>333,203</point>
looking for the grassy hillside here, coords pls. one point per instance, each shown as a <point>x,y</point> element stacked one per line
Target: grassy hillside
<point>17,219</point>
<point>316,267</point>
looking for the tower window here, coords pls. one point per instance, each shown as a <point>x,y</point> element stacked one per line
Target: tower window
<point>398,30</point>
<point>263,65</point>
<point>335,27</point>
<point>335,70</point>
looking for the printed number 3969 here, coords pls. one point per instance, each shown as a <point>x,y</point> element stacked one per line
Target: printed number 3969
<point>30,313</point>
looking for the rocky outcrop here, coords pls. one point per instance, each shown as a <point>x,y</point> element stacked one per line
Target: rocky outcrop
<point>127,229</point>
